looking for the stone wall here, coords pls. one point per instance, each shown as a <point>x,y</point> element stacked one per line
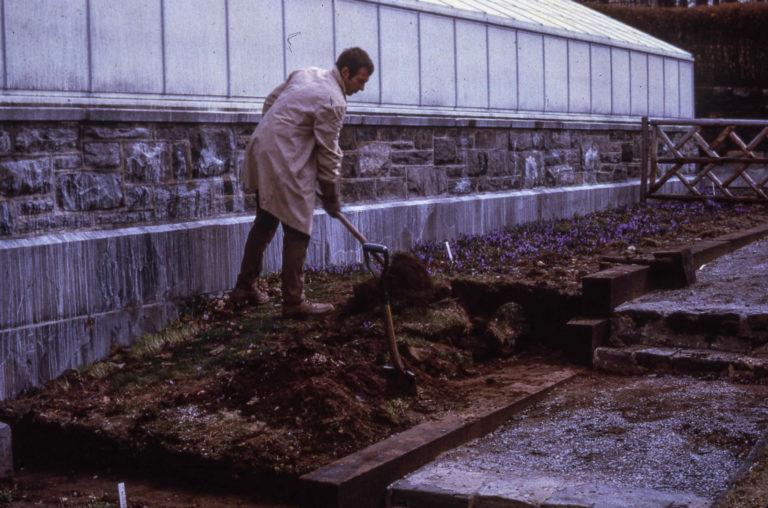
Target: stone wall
<point>57,176</point>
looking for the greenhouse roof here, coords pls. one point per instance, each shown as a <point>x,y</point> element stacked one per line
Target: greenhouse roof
<point>559,17</point>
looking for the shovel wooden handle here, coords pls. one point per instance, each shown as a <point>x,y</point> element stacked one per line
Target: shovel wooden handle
<point>390,326</point>
<point>352,229</point>
<point>357,234</point>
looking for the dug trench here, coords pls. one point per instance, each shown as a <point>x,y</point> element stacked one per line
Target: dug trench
<point>306,394</point>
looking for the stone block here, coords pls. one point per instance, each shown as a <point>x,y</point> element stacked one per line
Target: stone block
<point>655,358</point>
<point>364,134</point>
<point>374,159</point>
<point>123,218</point>
<point>212,150</point>
<point>349,165</point>
<point>399,134</point>
<point>701,361</point>
<point>358,190</point>
<point>43,139</point>
<point>488,139</point>
<point>460,187</point>
<point>455,171</point>
<point>498,163</point>
<point>173,132</point>
<point>560,139</point>
<point>477,162</point>
<point>405,493</point>
<point>604,290</point>
<point>184,201</point>
<point>129,132</point>
<point>554,157</point>
<point>89,191</point>
<point>486,184</point>
<point>731,344</point>
<point>23,177</point>
<point>5,143</point>
<point>704,323</point>
<point>423,139</point>
<point>67,162</point>
<point>50,222</point>
<point>518,492</point>
<point>445,151</point>
<point>391,188</point>
<point>590,158</point>
<point>605,175</point>
<point>36,206</point>
<point>559,176</point>
<point>758,322</point>
<point>523,141</point>
<point>146,162</point>
<point>6,451</point>
<point>426,181</point>
<point>620,361</point>
<point>533,169</point>
<point>411,157</point>
<point>6,218</point>
<point>138,197</point>
<point>180,161</point>
<point>403,145</point>
<point>627,152</point>
<point>348,138</point>
<point>101,155</point>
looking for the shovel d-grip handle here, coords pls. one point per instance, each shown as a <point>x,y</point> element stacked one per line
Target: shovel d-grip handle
<point>380,253</point>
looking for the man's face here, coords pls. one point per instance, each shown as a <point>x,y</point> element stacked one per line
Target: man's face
<point>355,83</point>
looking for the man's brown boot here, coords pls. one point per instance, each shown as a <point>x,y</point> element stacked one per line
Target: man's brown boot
<point>307,308</point>
<point>253,296</point>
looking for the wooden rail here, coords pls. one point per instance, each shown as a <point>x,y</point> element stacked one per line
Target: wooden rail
<point>709,157</point>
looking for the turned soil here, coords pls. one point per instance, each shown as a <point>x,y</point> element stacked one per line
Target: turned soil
<point>238,398</point>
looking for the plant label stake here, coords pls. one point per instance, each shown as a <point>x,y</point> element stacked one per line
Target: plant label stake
<point>399,380</point>
<point>121,495</point>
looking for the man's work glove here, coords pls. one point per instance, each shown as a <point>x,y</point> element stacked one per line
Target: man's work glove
<point>329,194</point>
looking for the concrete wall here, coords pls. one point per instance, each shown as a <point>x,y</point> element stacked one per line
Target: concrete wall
<point>229,54</point>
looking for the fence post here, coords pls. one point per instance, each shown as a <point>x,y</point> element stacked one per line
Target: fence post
<point>644,160</point>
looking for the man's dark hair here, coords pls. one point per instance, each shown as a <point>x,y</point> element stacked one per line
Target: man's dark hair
<point>353,59</point>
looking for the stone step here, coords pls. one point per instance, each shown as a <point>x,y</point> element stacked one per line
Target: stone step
<point>538,492</point>
<point>640,359</point>
<point>726,330</point>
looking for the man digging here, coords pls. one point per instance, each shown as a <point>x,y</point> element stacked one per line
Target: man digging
<point>293,151</point>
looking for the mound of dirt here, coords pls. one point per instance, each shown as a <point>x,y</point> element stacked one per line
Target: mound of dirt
<point>407,282</point>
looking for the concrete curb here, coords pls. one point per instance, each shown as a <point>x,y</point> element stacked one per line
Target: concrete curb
<point>360,480</point>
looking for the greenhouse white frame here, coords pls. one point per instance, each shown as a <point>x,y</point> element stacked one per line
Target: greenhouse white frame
<point>458,58</point>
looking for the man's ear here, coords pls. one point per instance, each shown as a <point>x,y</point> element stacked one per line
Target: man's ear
<point>345,72</point>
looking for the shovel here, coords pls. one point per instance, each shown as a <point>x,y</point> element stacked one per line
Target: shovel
<point>399,380</point>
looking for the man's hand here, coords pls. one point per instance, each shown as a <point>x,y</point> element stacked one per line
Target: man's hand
<point>329,194</point>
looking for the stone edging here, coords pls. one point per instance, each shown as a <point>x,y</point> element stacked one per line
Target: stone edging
<point>605,290</point>
<point>360,480</point>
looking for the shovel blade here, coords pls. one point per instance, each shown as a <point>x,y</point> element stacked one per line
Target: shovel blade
<point>400,382</point>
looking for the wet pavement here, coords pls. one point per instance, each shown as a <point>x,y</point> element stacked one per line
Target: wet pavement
<point>605,441</point>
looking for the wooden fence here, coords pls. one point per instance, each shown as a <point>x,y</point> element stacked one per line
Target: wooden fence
<point>717,159</point>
